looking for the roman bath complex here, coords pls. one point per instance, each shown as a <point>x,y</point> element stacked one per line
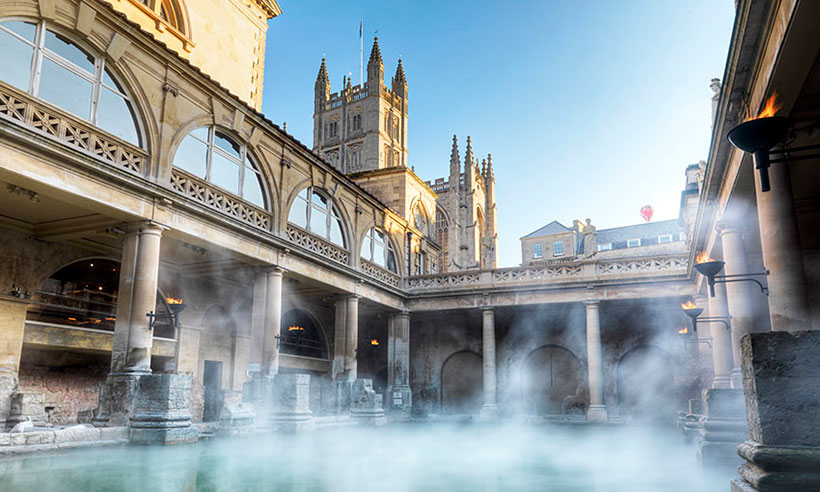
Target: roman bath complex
<point>174,265</point>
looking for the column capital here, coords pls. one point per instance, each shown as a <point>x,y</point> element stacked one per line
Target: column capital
<point>401,314</point>
<point>592,302</point>
<point>144,226</point>
<point>486,308</point>
<point>725,226</point>
<point>274,270</point>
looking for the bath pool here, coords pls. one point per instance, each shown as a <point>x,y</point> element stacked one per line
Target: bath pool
<point>420,457</point>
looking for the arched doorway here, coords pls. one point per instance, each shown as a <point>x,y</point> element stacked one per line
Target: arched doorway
<point>553,381</point>
<point>462,383</point>
<point>646,383</point>
<point>301,335</point>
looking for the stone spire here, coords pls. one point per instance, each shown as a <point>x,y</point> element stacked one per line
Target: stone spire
<point>469,166</point>
<point>484,168</point>
<point>375,68</point>
<point>490,174</point>
<point>321,89</point>
<point>375,53</point>
<point>400,73</point>
<point>399,81</point>
<point>321,77</point>
<point>455,165</point>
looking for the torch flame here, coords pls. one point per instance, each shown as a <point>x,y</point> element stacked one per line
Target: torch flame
<point>703,257</point>
<point>688,305</point>
<point>683,331</point>
<point>770,108</point>
<point>173,300</point>
<point>374,341</point>
<point>295,328</point>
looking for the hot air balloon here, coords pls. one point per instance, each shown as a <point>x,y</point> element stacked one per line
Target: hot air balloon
<point>646,212</point>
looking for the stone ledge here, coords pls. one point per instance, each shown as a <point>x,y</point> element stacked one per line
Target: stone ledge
<point>9,451</point>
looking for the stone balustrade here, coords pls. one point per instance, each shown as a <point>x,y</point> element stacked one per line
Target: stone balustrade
<point>35,114</point>
<point>308,241</point>
<point>581,271</point>
<point>380,274</point>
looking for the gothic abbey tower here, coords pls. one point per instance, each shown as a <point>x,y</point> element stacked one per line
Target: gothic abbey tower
<point>362,131</point>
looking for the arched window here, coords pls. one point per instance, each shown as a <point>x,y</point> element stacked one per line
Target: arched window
<point>301,335</point>
<point>420,219</point>
<point>50,66</point>
<point>169,11</point>
<point>214,156</point>
<point>316,212</point>
<point>378,249</point>
<point>84,295</point>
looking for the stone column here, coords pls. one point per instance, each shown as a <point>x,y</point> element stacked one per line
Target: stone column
<point>704,346</point>
<point>133,337</point>
<point>721,340</point>
<point>398,365</point>
<point>273,321</point>
<point>490,407</point>
<point>137,296</point>
<point>740,296</point>
<point>339,336</point>
<point>780,375</point>
<point>597,408</point>
<point>351,336</point>
<point>12,327</point>
<point>782,256</point>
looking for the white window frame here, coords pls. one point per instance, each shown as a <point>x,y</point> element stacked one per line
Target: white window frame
<point>331,212</point>
<point>558,248</point>
<point>630,245</point>
<point>371,239</point>
<point>537,250</point>
<point>605,247</point>
<point>664,238</point>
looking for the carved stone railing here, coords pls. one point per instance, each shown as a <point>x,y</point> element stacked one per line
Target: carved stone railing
<point>380,273</point>
<point>587,270</point>
<point>22,108</point>
<point>301,237</point>
<point>204,192</point>
<point>643,266</point>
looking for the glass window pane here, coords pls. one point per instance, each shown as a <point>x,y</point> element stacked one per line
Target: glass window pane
<point>319,200</point>
<point>336,235</point>
<point>391,262</point>
<point>15,63</point>
<point>65,89</point>
<point>378,253</point>
<point>191,156</point>
<point>26,30</point>
<point>252,188</point>
<point>224,173</point>
<point>366,248</point>
<point>298,212</point>
<point>201,133</point>
<point>318,222</point>
<point>70,51</point>
<point>226,144</point>
<point>115,116</point>
<point>111,83</point>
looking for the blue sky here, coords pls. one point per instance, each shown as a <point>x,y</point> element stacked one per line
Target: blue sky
<point>589,108</point>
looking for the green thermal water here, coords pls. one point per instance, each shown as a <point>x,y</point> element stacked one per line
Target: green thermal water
<point>396,458</point>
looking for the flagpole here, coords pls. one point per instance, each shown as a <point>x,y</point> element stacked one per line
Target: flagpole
<point>361,53</point>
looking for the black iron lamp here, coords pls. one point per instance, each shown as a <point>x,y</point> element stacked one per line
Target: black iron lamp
<point>757,137</point>
<point>176,306</point>
<point>710,268</point>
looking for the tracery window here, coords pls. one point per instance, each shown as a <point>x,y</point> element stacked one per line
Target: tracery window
<point>317,213</point>
<point>50,66</point>
<point>442,229</point>
<point>214,156</point>
<point>420,219</point>
<point>377,248</point>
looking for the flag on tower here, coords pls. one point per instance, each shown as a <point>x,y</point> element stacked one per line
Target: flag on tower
<point>361,52</point>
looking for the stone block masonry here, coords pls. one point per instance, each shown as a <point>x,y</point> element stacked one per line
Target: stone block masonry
<point>162,410</point>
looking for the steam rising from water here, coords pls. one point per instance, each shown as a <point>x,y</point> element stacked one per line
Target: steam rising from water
<point>431,457</point>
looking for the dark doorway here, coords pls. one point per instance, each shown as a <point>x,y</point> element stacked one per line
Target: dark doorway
<point>553,380</point>
<point>212,380</point>
<point>462,378</point>
<point>646,383</point>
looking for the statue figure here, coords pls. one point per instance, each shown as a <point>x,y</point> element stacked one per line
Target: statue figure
<point>590,236</point>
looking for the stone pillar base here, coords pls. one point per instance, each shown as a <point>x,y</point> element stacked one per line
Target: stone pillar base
<point>343,397</point>
<point>400,401</point>
<point>162,413</point>
<point>736,379</point>
<point>27,407</point>
<point>8,386</point>
<point>776,468</point>
<point>236,420</point>
<point>597,413</point>
<point>116,399</point>
<point>723,428</point>
<point>365,404</point>
<point>291,403</point>
<point>488,412</point>
<point>257,392</point>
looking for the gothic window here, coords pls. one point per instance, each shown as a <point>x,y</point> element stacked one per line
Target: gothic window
<point>357,122</point>
<point>388,156</point>
<point>377,248</point>
<point>50,66</point>
<point>420,219</point>
<point>355,158</point>
<point>316,213</point>
<point>168,10</point>
<point>214,156</point>
<point>387,121</point>
<point>442,229</point>
<point>396,160</point>
<point>332,129</point>
<point>396,127</point>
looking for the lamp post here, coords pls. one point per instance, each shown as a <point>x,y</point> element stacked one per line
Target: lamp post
<point>691,310</point>
<point>176,306</point>
<point>710,268</point>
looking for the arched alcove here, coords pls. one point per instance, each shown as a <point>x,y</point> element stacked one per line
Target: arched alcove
<point>302,335</point>
<point>553,381</point>
<point>646,383</point>
<point>462,383</point>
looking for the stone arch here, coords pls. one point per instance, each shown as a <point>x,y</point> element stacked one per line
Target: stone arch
<point>302,334</point>
<point>553,381</point>
<point>462,380</point>
<point>395,245</point>
<point>351,244</point>
<point>646,382</point>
